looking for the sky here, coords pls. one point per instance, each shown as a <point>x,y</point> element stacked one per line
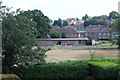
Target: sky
<point>64,9</point>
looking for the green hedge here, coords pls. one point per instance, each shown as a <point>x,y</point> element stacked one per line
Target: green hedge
<point>104,70</point>
<point>63,70</point>
<point>100,69</point>
<point>9,77</point>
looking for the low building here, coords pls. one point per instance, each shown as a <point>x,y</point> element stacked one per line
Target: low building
<point>62,41</point>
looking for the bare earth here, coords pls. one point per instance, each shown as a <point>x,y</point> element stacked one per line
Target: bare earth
<point>65,55</point>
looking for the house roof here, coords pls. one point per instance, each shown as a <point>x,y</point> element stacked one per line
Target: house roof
<point>61,39</point>
<point>64,30</point>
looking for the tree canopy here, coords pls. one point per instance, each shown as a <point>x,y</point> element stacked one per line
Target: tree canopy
<point>115,29</point>
<point>55,35</point>
<point>58,23</point>
<point>113,15</point>
<point>42,21</point>
<point>19,38</point>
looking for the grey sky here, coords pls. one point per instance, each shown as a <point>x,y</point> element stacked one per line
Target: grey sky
<point>63,9</point>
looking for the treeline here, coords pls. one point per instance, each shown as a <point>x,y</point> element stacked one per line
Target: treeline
<point>88,20</point>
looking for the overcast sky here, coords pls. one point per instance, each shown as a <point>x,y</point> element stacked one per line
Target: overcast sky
<point>63,9</point>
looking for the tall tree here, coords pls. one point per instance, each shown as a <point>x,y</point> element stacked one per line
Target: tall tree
<point>55,23</point>
<point>65,23</point>
<point>115,29</point>
<point>18,39</point>
<point>85,17</point>
<point>58,23</point>
<point>113,15</point>
<point>42,21</point>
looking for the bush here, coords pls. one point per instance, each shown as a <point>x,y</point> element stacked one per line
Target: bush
<point>62,70</point>
<point>9,77</point>
<point>104,70</point>
<point>100,69</point>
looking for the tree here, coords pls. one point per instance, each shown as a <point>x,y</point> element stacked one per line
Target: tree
<point>18,41</point>
<point>91,37</point>
<point>90,22</point>
<point>85,17</point>
<point>42,21</point>
<point>58,23</point>
<point>65,23</point>
<point>55,35</point>
<point>64,35</point>
<point>113,15</point>
<point>77,19</point>
<point>115,29</point>
<point>55,22</point>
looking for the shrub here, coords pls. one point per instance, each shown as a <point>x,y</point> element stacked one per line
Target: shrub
<point>104,70</point>
<point>62,70</point>
<point>101,69</point>
<point>9,77</point>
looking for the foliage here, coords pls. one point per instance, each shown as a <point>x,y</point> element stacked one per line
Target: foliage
<point>9,77</point>
<point>113,15</point>
<point>105,69</point>
<point>55,35</point>
<point>92,54</point>
<point>18,40</point>
<point>86,17</point>
<point>64,35</point>
<point>42,22</point>
<point>65,23</point>
<point>94,21</point>
<point>90,37</point>
<point>62,70</point>
<point>115,30</point>
<point>58,23</point>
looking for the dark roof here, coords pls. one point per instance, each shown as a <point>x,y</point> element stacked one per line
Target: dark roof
<point>64,30</point>
<point>61,39</point>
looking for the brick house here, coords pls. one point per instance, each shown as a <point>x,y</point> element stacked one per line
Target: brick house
<point>97,32</point>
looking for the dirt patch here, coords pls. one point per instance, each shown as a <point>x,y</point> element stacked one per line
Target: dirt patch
<point>65,55</point>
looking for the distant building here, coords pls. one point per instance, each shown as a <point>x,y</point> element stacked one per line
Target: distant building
<point>98,32</point>
<point>70,32</point>
<point>63,41</point>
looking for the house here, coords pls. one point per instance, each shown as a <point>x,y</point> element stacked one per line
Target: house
<point>74,21</point>
<point>98,32</point>
<point>70,32</point>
